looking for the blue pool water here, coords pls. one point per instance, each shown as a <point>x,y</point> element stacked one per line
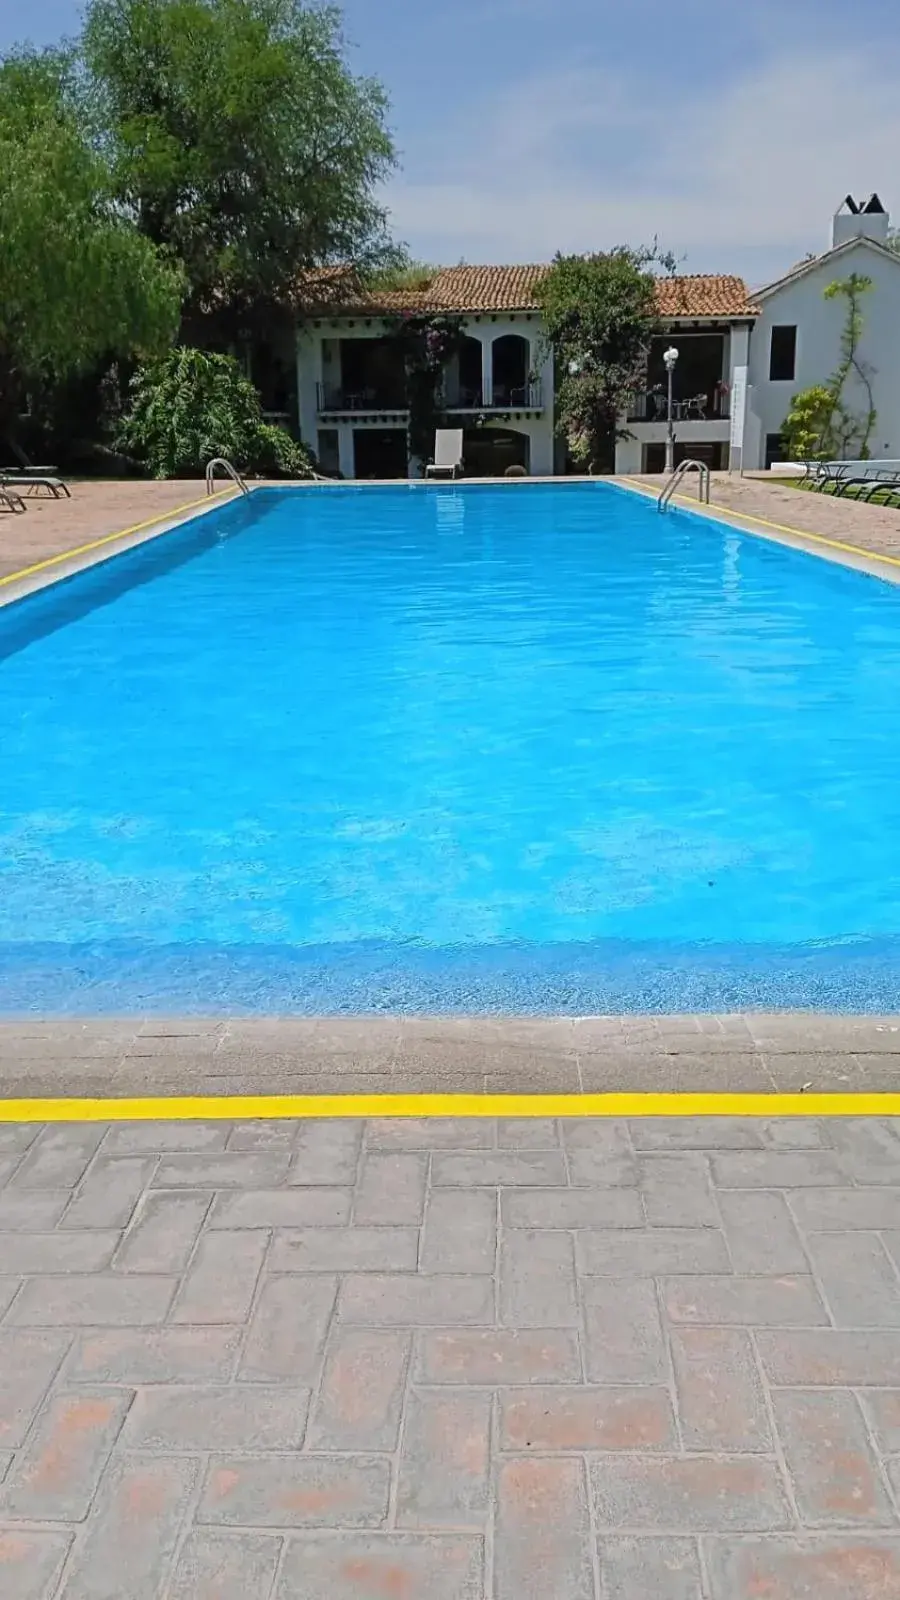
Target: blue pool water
<point>526,748</point>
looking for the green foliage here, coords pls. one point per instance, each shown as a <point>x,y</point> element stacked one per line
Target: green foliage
<point>239,139</point>
<point>193,405</point>
<point>427,343</point>
<point>414,275</point>
<point>805,429</point>
<point>822,424</point>
<point>78,284</point>
<point>599,315</point>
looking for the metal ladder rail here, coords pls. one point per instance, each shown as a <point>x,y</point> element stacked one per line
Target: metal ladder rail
<point>680,473</point>
<point>232,472</point>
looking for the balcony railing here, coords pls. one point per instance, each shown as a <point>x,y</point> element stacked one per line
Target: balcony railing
<point>346,397</point>
<point>339,397</point>
<point>710,405</point>
<point>505,397</point>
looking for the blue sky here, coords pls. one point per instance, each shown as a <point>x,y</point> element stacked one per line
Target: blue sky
<point>731,132</point>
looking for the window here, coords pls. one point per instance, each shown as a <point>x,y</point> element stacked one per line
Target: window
<point>783,354</point>
<point>775,449</point>
<point>328,450</point>
<point>714,455</point>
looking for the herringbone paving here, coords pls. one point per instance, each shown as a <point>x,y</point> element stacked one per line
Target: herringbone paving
<point>450,1359</point>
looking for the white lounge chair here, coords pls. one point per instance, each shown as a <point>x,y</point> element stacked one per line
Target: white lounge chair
<point>448,454</point>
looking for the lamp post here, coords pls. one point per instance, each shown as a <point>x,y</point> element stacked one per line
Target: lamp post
<point>670,357</point>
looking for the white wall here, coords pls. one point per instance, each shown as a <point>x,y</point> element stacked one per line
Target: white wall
<point>819,323</point>
<point>629,452</point>
<point>486,329</point>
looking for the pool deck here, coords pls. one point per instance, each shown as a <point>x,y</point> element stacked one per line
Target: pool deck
<point>501,1356</point>
<point>53,538</point>
<point>450,1359</point>
<point>860,536</point>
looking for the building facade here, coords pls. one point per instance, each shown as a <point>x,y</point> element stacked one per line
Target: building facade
<point>797,335</point>
<point>741,357</point>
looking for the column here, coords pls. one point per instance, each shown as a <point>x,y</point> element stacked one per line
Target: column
<point>346,460</point>
<point>487,365</point>
<point>309,360</point>
<point>739,384</point>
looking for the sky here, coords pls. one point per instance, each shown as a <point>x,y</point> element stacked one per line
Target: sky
<point>729,132</point>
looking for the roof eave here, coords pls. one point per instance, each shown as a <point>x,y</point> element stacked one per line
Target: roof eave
<point>806,267</point>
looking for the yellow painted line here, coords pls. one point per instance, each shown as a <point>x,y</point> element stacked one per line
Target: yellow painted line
<point>777,527</point>
<point>245,1107</point>
<point>97,544</point>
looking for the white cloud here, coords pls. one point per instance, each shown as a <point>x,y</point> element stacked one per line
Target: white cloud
<point>739,176</point>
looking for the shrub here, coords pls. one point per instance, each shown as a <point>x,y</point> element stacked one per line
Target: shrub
<point>193,405</point>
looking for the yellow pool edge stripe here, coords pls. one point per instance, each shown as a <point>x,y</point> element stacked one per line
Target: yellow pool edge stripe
<point>763,522</point>
<point>108,538</point>
<point>246,1108</point>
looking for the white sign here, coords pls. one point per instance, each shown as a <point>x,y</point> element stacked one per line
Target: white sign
<point>738,407</point>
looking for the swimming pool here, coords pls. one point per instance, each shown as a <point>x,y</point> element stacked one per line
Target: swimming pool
<point>517,748</point>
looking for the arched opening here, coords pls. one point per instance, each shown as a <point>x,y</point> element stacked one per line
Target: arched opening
<point>509,363</point>
<point>489,451</point>
<point>469,388</point>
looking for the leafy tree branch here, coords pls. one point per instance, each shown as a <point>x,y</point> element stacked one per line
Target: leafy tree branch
<point>599,315</point>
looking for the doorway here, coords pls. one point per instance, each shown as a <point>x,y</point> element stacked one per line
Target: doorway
<point>380,453</point>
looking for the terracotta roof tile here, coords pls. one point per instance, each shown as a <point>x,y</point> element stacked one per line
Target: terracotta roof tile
<point>486,289</point>
<point>704,295</point>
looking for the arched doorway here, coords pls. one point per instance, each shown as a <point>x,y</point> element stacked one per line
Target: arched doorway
<point>489,451</point>
<point>510,359</point>
<point>469,387</point>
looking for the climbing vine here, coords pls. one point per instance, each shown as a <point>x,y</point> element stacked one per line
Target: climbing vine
<point>822,424</point>
<point>427,344</point>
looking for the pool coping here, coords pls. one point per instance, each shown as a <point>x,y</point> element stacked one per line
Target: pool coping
<point>443,1063</point>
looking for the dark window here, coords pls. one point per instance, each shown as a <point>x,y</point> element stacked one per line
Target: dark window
<point>783,354</point>
<point>328,450</point>
<point>774,449</point>
<point>714,455</point>
<point>380,453</point>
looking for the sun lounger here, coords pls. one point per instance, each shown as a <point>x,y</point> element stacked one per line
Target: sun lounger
<point>37,480</point>
<point>10,499</point>
<point>448,454</point>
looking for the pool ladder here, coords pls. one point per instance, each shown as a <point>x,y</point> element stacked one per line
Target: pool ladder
<point>677,478</point>
<point>232,473</point>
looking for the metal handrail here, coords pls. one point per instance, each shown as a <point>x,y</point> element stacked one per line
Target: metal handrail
<point>232,472</point>
<point>681,471</point>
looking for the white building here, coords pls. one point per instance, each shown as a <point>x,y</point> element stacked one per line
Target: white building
<point>797,334</point>
<point>500,387</point>
<point>351,389</point>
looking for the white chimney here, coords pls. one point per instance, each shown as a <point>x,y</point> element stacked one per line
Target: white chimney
<point>856,221</point>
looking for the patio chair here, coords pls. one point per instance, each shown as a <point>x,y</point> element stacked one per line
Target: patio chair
<point>448,454</point>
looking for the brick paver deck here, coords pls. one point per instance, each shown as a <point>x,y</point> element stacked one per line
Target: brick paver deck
<point>450,1360</point>
<point>872,528</point>
<point>49,526</point>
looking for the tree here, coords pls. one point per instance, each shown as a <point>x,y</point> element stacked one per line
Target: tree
<point>78,283</point>
<point>241,141</point>
<point>426,343</point>
<point>192,406</point>
<point>599,315</point>
<point>822,424</point>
